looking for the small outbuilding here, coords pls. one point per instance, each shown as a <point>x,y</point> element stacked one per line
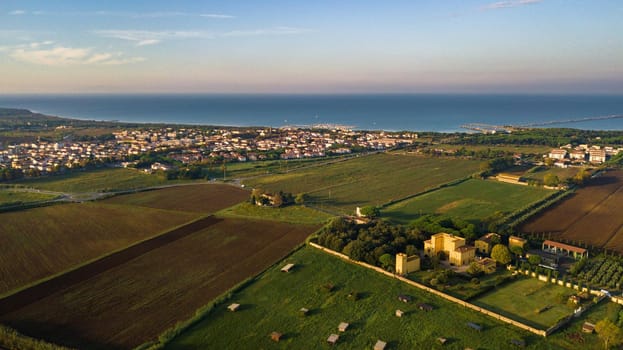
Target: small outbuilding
<point>342,327</point>
<point>518,342</point>
<point>276,336</point>
<point>475,326</point>
<point>399,313</point>
<point>333,339</point>
<point>588,327</point>
<point>424,307</point>
<point>380,345</point>
<point>405,298</point>
<point>233,307</point>
<point>442,340</point>
<point>287,268</point>
<point>304,311</point>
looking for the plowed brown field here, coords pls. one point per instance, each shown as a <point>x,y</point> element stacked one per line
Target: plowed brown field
<point>136,301</point>
<point>593,215</point>
<point>202,198</point>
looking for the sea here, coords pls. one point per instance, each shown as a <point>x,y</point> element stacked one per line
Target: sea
<point>391,112</point>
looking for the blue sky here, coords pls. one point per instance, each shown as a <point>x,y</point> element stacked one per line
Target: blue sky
<point>513,46</point>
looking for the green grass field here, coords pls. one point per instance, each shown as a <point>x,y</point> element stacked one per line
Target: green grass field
<point>522,299</point>
<point>259,168</point>
<point>367,180</point>
<point>9,197</point>
<point>293,214</point>
<point>96,181</point>
<point>469,200</point>
<point>272,303</point>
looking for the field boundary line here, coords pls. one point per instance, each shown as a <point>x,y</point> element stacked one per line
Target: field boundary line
<point>16,299</point>
<point>445,296</point>
<point>426,191</point>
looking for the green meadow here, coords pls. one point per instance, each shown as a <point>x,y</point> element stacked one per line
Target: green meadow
<point>361,297</point>
<point>100,180</point>
<point>470,200</point>
<point>367,180</point>
<point>526,300</point>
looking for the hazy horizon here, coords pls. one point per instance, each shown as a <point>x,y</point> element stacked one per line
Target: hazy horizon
<point>285,47</point>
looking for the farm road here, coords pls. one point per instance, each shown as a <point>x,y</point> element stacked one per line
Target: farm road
<point>41,290</point>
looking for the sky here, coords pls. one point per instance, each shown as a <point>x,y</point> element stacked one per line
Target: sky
<point>290,46</point>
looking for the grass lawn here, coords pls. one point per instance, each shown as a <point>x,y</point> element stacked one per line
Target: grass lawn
<point>470,200</point>
<point>272,303</point>
<point>96,181</point>
<point>293,213</point>
<point>522,300</point>
<point>367,180</point>
<point>8,197</point>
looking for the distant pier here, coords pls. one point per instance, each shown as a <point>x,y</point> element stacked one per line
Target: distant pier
<point>492,129</point>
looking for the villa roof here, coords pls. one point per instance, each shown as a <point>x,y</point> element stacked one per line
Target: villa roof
<point>487,238</point>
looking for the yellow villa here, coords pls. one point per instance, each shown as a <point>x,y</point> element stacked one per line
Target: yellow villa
<point>454,247</point>
<point>485,243</point>
<point>405,264</point>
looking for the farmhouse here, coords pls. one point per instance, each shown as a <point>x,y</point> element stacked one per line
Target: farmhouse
<point>487,265</point>
<point>564,249</point>
<point>463,255</point>
<point>486,242</point>
<point>454,247</point>
<point>406,264</point>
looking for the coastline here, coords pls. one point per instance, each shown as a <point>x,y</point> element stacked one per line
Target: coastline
<point>388,112</point>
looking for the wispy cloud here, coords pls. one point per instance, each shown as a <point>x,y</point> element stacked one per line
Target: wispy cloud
<point>147,42</point>
<point>216,15</point>
<point>269,31</point>
<point>127,14</point>
<point>510,4</point>
<point>17,12</point>
<point>42,53</point>
<point>145,37</point>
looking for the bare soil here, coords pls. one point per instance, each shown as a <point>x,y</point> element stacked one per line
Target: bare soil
<point>591,216</point>
<point>136,301</point>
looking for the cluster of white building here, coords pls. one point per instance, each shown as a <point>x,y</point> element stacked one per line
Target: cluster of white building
<point>195,144</point>
<point>566,155</point>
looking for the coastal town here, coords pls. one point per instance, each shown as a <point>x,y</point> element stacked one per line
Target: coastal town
<point>189,145</point>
